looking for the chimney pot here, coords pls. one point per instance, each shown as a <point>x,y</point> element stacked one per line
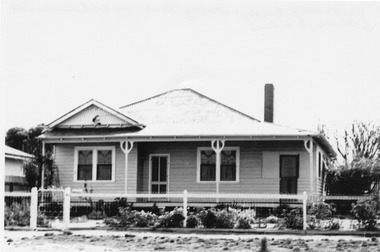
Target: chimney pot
<point>268,103</point>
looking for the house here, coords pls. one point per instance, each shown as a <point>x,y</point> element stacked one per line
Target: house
<point>181,140</point>
<point>14,174</point>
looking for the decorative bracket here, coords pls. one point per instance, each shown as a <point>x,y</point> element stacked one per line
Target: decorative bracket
<point>217,145</point>
<point>308,145</point>
<point>126,146</point>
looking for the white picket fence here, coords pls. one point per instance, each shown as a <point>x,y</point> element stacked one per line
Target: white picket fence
<point>184,197</point>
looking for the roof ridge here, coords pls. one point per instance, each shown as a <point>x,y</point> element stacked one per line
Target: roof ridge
<point>226,106</point>
<point>147,99</point>
<point>195,92</point>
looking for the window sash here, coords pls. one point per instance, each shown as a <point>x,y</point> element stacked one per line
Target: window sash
<point>289,166</point>
<point>84,172</point>
<point>228,165</point>
<point>95,164</point>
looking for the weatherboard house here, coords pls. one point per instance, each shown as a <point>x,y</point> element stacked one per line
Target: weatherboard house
<point>183,140</point>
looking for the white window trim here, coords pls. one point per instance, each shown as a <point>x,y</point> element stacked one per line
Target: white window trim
<point>237,149</point>
<point>167,172</point>
<point>94,163</point>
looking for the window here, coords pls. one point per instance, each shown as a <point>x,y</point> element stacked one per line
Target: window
<point>229,165</point>
<point>289,174</point>
<point>94,163</point>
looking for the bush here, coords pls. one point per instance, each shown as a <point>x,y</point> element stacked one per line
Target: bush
<point>191,221</point>
<point>321,210</point>
<point>17,215</point>
<point>172,219</point>
<point>367,212</point>
<point>226,219</point>
<point>128,218</point>
<point>242,223</point>
<point>208,218</point>
<point>144,219</point>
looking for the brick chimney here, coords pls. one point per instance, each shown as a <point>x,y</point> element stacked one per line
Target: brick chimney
<point>268,103</point>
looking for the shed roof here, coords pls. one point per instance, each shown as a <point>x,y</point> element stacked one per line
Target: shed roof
<point>16,154</point>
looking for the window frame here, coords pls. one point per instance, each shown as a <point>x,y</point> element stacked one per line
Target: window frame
<point>94,150</point>
<point>230,148</point>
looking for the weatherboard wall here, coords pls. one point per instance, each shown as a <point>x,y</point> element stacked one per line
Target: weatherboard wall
<point>259,166</point>
<point>64,159</point>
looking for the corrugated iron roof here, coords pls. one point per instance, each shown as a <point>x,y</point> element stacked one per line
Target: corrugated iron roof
<point>14,153</point>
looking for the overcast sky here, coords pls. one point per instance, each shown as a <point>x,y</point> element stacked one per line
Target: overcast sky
<point>322,57</point>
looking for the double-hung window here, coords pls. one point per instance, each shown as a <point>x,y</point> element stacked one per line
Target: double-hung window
<point>229,165</point>
<point>94,163</point>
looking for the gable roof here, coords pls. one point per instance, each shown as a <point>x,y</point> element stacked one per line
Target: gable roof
<point>182,106</point>
<point>16,154</point>
<point>87,114</point>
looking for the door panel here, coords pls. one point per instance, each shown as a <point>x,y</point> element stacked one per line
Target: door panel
<point>159,173</point>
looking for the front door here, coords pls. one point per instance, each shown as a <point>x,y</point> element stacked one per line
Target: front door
<point>289,166</point>
<point>159,173</point>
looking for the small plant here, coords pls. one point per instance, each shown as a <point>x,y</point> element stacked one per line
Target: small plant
<point>321,210</point>
<point>208,218</point>
<point>96,215</point>
<point>263,245</point>
<point>144,219</point>
<point>294,219</point>
<point>272,219</point>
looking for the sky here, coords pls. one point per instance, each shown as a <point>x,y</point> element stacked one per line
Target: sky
<point>322,57</point>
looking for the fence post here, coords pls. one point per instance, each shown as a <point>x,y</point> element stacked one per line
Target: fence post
<point>66,208</point>
<point>33,208</point>
<point>304,210</point>
<point>184,207</point>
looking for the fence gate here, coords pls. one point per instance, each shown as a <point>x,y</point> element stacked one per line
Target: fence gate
<point>50,206</point>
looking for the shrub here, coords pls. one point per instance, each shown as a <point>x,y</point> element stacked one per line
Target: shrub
<point>208,218</point>
<point>242,223</point>
<point>17,215</point>
<point>366,212</point>
<point>144,219</point>
<point>191,221</point>
<point>226,219</point>
<point>172,219</point>
<point>294,219</point>
<point>128,218</point>
<point>96,215</point>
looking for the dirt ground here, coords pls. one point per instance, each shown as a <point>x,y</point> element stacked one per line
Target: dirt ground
<point>96,240</point>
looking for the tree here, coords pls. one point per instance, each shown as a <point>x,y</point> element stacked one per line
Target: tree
<point>15,138</point>
<point>360,149</point>
<point>360,141</point>
<point>27,141</point>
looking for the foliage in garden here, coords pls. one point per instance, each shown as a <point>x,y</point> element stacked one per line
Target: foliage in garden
<point>367,212</point>
<point>18,214</point>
